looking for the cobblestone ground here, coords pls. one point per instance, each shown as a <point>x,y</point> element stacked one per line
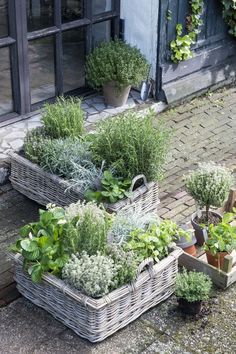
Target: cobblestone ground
<point>204,129</point>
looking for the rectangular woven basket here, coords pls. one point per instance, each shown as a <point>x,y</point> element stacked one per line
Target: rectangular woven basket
<point>96,319</point>
<point>43,187</point>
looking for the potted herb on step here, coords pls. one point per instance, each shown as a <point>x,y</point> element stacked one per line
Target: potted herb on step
<point>192,289</point>
<point>115,66</point>
<point>221,241</point>
<point>209,185</point>
<point>186,240</point>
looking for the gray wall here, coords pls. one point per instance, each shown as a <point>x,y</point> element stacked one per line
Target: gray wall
<point>141,18</point>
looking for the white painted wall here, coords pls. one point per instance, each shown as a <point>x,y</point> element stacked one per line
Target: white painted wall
<point>141,18</point>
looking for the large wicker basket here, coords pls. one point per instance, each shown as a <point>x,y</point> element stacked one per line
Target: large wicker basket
<point>96,319</point>
<point>43,187</point>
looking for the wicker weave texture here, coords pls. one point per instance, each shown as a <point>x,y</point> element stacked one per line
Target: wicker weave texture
<point>96,319</point>
<point>42,187</point>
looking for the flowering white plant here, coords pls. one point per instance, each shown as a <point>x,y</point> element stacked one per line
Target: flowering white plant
<point>209,185</point>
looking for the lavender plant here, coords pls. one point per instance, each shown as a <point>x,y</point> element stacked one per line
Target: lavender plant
<point>209,185</point>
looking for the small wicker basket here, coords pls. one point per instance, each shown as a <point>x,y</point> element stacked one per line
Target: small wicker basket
<point>96,319</point>
<point>43,187</point>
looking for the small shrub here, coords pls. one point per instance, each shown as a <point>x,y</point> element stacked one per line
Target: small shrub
<point>93,275</point>
<point>209,185</point>
<point>34,144</point>
<point>126,222</point>
<point>193,286</point>
<point>130,145</point>
<point>116,61</point>
<point>63,119</point>
<point>92,224</point>
<point>126,263</point>
<point>70,158</point>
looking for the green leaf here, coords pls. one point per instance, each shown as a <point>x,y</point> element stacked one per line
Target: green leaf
<point>36,272</point>
<point>29,245</point>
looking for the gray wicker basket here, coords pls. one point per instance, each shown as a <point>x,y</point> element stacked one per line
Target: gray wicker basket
<point>43,187</point>
<point>96,319</point>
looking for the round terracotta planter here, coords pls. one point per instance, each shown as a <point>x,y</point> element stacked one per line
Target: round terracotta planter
<point>190,308</point>
<point>188,246</point>
<point>114,96</point>
<point>200,233</point>
<point>216,260</point>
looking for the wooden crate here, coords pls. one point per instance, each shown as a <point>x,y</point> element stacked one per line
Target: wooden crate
<point>222,279</point>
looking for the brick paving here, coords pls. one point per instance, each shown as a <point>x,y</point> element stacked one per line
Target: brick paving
<point>204,129</point>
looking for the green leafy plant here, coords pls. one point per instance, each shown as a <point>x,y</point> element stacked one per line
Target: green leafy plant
<point>112,189</point>
<point>209,185</point>
<point>47,244</point>
<point>116,61</point>
<point>153,242</point>
<point>181,47</point>
<point>222,237</point>
<point>92,223</point>
<point>126,263</point>
<point>69,158</point>
<point>34,144</point>
<point>193,286</point>
<point>131,145</point>
<point>229,14</point>
<point>63,119</point>
<point>93,275</point>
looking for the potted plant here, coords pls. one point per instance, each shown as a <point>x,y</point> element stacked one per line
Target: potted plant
<point>116,66</point>
<point>192,289</point>
<point>186,240</point>
<point>221,241</point>
<point>66,265</point>
<point>209,185</point>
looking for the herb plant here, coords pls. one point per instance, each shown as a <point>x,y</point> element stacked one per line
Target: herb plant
<point>112,189</point>
<point>63,119</point>
<point>93,275</point>
<point>153,242</point>
<point>229,14</point>
<point>222,237</point>
<point>131,145</point>
<point>209,185</point>
<point>34,142</point>
<point>193,286</point>
<point>116,61</point>
<point>47,244</point>
<point>92,224</point>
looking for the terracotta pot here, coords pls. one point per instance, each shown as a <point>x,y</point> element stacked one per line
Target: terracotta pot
<point>216,260</point>
<point>200,233</point>
<point>114,96</point>
<point>188,246</point>
<point>190,308</point>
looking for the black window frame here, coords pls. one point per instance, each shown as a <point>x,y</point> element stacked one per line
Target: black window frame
<point>18,39</point>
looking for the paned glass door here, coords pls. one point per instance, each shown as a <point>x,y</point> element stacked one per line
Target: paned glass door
<point>43,48</point>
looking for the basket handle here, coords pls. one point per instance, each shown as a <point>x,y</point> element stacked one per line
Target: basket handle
<point>136,179</point>
<point>148,262</point>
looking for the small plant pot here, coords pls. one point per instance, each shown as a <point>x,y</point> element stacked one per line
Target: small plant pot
<point>188,246</point>
<point>190,308</point>
<point>200,233</point>
<point>114,96</point>
<point>216,260</point>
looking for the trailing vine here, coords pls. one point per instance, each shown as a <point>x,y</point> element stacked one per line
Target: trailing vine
<point>181,46</point>
<point>229,14</point>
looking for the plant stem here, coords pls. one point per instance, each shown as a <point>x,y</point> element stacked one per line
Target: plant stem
<point>207,213</point>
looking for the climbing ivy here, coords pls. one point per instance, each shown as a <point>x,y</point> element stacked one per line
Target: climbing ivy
<point>229,14</point>
<point>181,46</point>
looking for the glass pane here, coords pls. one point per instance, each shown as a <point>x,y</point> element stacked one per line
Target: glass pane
<point>101,32</point>
<point>40,14</point>
<point>99,6</point>
<point>3,19</point>
<point>73,59</point>
<point>6,103</point>
<point>42,69</point>
<point>71,10</point>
